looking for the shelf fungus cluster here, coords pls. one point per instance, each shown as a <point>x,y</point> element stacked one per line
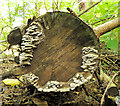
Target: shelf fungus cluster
<point>90,58</point>
<point>33,36</point>
<point>27,37</point>
<point>56,86</point>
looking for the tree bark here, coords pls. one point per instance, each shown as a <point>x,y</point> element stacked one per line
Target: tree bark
<point>106,27</point>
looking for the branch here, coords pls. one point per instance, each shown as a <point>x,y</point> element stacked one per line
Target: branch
<point>103,19</point>
<point>102,100</point>
<point>89,8</point>
<point>3,41</point>
<point>55,5</point>
<point>3,50</point>
<point>106,27</point>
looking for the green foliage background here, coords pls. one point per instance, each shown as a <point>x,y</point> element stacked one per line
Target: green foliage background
<point>24,9</point>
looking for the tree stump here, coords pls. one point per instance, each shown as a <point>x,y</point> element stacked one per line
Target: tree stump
<point>59,57</point>
<point>68,56</point>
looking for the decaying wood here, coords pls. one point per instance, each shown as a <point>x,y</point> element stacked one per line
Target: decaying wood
<point>98,31</point>
<point>106,27</point>
<point>62,46</point>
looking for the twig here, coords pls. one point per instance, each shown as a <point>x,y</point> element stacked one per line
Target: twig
<point>3,41</point>
<point>97,77</point>
<point>3,50</point>
<point>110,62</point>
<point>110,55</point>
<point>103,19</point>
<point>56,5</point>
<point>89,8</point>
<point>83,86</point>
<point>4,45</point>
<point>102,100</point>
<point>88,94</point>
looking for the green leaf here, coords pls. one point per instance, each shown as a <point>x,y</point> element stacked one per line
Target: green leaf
<point>113,44</point>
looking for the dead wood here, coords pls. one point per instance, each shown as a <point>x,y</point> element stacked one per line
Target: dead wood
<point>106,27</point>
<point>98,31</point>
